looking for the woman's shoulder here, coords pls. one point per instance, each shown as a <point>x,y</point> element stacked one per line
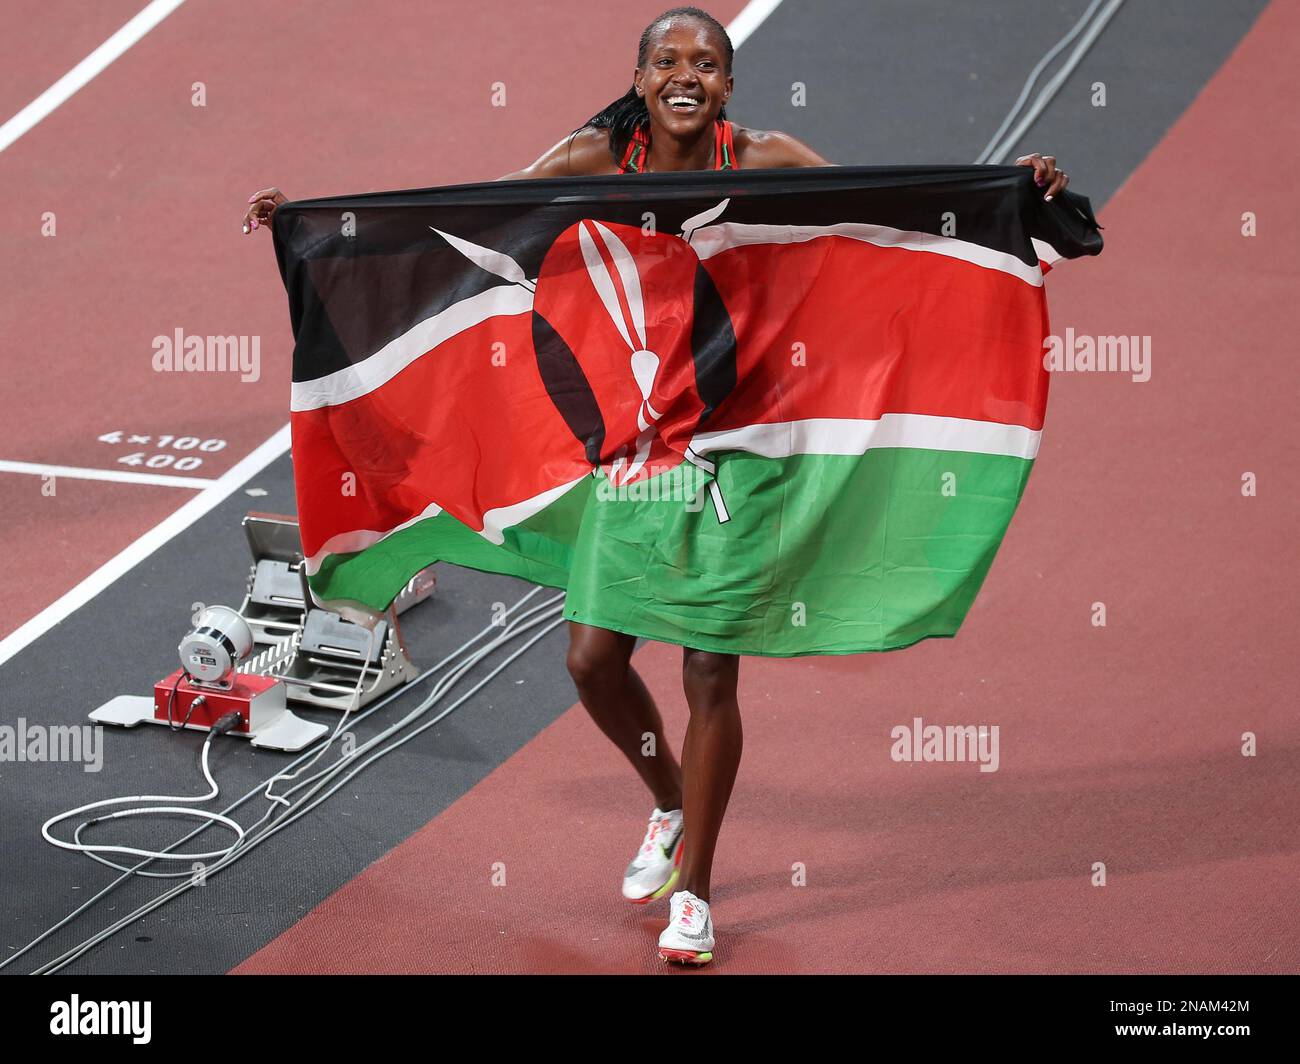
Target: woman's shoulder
<point>759,149</point>
<point>582,152</point>
<point>589,151</point>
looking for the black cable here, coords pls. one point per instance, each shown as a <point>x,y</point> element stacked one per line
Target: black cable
<point>171,697</point>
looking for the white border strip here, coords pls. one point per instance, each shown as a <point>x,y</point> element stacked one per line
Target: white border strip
<point>119,476</point>
<point>1047,254</point>
<point>102,577</point>
<point>715,239</point>
<point>854,436</point>
<point>783,439</point>
<point>495,522</point>
<point>371,373</point>
<point>753,15</point>
<point>95,63</point>
<point>362,538</point>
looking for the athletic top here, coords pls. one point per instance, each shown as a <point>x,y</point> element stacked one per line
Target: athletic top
<point>724,150</point>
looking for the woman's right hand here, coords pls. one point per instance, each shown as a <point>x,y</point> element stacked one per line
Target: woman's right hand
<point>262,206</point>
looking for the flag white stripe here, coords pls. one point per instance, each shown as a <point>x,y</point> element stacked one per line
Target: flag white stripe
<point>627,273</point>
<point>828,436</point>
<point>372,373</point>
<point>495,522</point>
<point>361,538</point>
<point>712,240</point>
<point>854,436</point>
<point>1045,252</point>
<point>600,281</point>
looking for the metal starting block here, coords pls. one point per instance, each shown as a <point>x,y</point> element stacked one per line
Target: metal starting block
<point>316,653</point>
<point>276,596</point>
<point>321,664</point>
<point>273,603</point>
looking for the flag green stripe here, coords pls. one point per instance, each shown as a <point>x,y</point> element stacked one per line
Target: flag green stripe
<point>540,550</point>
<point>871,552</point>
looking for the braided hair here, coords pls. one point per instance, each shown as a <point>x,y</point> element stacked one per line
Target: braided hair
<point>629,112</point>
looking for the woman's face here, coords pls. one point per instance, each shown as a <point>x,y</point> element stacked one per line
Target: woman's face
<point>684,63</point>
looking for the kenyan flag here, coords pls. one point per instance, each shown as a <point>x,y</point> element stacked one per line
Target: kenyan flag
<point>769,412</point>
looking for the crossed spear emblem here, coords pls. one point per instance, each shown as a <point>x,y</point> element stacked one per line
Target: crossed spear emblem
<point>643,362</point>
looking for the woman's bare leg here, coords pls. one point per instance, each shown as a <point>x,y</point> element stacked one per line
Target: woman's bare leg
<point>617,699</point>
<point>710,758</point>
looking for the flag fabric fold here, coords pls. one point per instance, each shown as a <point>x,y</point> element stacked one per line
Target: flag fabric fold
<point>774,412</point>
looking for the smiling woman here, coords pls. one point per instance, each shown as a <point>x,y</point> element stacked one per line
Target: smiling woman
<point>674,116</point>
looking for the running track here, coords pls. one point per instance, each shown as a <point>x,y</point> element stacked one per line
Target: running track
<point>1119,744</point>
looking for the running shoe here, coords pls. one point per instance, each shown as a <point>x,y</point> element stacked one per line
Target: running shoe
<point>688,938</point>
<point>653,871</point>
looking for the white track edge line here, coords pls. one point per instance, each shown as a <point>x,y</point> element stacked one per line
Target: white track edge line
<point>751,16</point>
<point>94,64</point>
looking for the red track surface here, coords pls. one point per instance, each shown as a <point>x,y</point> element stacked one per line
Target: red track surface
<point>44,39</point>
<point>1118,745</point>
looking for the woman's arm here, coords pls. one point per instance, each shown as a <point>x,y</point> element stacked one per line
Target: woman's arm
<point>584,152</point>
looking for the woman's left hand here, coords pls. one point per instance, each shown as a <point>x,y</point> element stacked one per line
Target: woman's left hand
<point>1045,173</point>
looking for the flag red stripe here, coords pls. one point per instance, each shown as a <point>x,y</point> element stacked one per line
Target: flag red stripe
<point>450,429</point>
<point>883,330</point>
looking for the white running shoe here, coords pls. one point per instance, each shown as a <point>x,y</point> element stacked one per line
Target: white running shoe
<point>653,871</point>
<point>688,938</point>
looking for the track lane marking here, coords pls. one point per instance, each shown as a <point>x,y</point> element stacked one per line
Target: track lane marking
<point>120,476</point>
<point>751,16</point>
<point>94,64</point>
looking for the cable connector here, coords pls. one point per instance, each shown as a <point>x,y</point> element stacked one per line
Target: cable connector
<point>228,723</point>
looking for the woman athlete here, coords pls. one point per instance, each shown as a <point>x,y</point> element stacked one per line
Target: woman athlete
<point>673,118</point>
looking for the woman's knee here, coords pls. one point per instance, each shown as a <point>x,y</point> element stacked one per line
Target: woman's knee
<point>710,679</point>
<point>594,660</point>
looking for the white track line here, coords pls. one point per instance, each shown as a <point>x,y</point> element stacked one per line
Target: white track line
<point>88,68</point>
<point>120,476</point>
<point>223,487</point>
<point>750,18</point>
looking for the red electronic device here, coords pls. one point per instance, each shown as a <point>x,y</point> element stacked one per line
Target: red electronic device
<point>257,699</point>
